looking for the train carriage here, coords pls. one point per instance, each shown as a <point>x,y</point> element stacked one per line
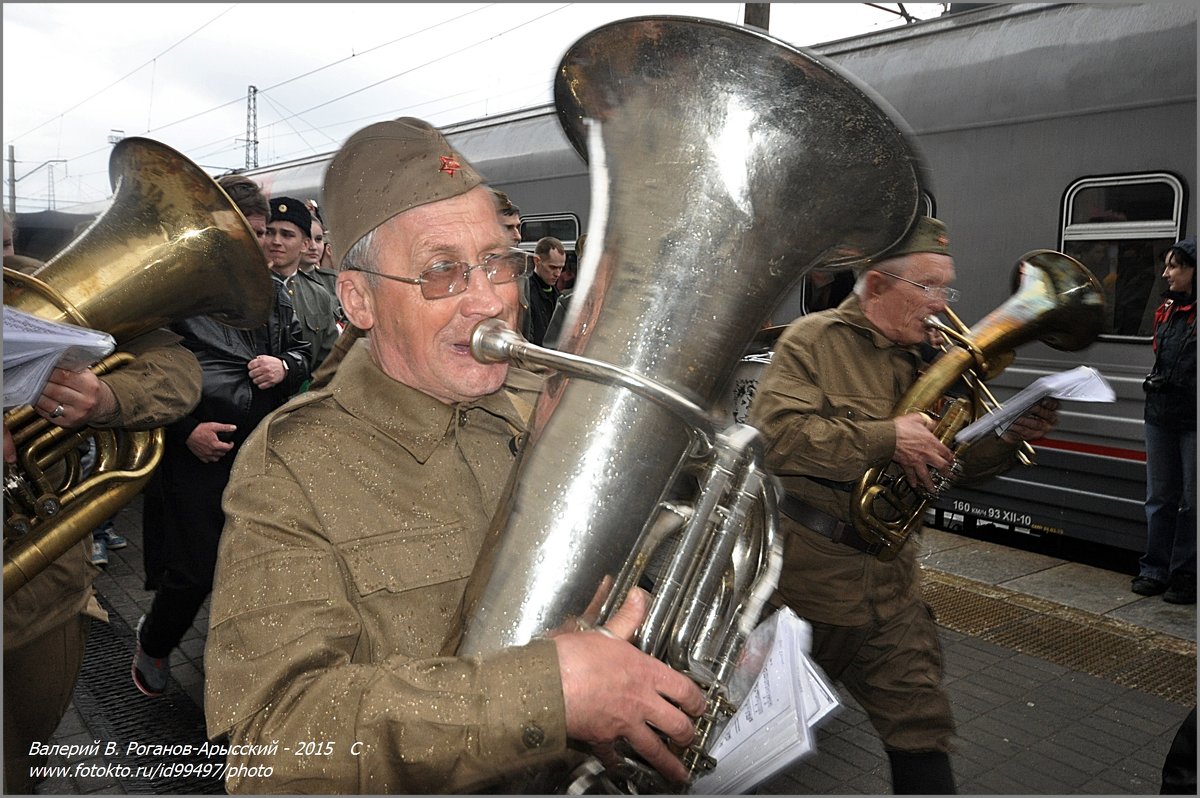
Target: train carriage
<point>1043,126</point>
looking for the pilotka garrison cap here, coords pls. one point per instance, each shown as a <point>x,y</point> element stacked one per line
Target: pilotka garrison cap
<point>926,235</point>
<point>384,170</point>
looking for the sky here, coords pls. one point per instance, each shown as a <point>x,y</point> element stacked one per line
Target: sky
<point>79,74</point>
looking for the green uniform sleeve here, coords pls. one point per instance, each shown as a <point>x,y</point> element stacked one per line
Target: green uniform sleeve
<point>987,458</point>
<point>829,428</point>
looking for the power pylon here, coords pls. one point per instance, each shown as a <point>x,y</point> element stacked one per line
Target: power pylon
<point>252,127</point>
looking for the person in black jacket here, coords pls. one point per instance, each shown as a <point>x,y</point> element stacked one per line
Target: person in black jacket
<point>247,374</point>
<point>1169,564</point>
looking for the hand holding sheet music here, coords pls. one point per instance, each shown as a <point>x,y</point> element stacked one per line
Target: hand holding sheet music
<point>33,347</point>
<point>1082,384</point>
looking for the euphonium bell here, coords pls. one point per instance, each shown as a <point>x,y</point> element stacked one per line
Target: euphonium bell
<point>724,164</point>
<point>172,245</point>
<point>1058,302</point>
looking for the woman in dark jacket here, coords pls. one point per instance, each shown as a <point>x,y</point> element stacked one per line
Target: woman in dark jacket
<point>1169,565</point>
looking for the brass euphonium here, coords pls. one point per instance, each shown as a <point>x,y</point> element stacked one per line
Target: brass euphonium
<point>1058,302</point>
<point>172,245</point>
<point>724,164</point>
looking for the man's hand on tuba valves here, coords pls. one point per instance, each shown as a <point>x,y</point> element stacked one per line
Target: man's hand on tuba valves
<point>919,452</point>
<point>614,691</point>
<point>76,398</point>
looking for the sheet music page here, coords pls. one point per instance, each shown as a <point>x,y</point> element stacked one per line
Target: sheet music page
<point>819,698</point>
<point>34,346</point>
<point>1081,384</point>
<point>771,698</point>
<point>770,730</point>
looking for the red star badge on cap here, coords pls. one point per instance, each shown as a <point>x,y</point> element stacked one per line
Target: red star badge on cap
<point>449,165</point>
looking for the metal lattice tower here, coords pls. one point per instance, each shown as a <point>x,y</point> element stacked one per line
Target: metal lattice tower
<point>252,127</point>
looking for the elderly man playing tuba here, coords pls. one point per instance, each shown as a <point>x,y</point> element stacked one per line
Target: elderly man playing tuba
<point>356,513</point>
<point>825,408</point>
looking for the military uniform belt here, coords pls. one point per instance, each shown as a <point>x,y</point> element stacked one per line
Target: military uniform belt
<point>825,524</point>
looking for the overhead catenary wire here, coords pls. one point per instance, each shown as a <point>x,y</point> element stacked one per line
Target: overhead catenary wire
<point>450,34</point>
<point>264,92</point>
<point>357,54</point>
<point>123,77</point>
<point>241,98</point>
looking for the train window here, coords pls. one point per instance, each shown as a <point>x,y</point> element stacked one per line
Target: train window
<point>1120,227</point>
<point>563,226</point>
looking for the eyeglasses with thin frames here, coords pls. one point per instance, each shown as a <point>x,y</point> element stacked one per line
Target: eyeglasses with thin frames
<point>445,279</point>
<point>944,293</point>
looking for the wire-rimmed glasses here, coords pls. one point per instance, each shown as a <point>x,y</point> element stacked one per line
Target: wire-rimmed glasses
<point>448,278</point>
<point>942,292</point>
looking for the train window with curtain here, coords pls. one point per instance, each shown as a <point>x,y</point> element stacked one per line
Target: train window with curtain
<point>1119,227</point>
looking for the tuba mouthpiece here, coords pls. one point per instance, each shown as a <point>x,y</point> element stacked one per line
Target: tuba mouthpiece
<point>493,342</point>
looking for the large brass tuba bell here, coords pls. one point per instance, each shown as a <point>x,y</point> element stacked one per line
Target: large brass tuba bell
<point>724,164</point>
<point>1058,302</point>
<point>171,246</point>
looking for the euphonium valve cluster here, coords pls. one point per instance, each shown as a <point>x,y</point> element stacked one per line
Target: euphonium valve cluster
<point>724,164</point>
<point>1058,302</point>
<point>172,245</point>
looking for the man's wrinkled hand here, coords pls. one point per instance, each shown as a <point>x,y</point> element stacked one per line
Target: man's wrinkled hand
<point>614,691</point>
<point>75,399</point>
<point>1036,422</point>
<point>204,443</point>
<point>266,371</point>
<point>918,450</point>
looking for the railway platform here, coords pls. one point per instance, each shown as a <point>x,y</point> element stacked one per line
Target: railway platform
<point>1063,683</point>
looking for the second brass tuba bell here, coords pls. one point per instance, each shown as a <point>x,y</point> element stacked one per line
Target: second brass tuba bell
<point>172,245</point>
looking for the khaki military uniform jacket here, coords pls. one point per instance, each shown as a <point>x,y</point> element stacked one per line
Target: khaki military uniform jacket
<point>355,515</point>
<point>824,406</point>
<point>162,385</point>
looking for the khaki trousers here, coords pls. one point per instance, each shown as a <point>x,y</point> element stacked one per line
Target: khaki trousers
<point>893,668</point>
<point>39,680</point>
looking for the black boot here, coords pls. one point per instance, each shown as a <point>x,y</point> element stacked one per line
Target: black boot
<point>921,773</point>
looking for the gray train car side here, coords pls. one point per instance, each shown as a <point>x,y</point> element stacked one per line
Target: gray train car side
<point>1068,127</point>
<point>1043,126</point>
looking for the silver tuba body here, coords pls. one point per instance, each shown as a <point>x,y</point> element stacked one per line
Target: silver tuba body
<point>724,164</point>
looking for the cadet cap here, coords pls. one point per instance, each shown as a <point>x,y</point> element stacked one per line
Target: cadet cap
<point>289,209</point>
